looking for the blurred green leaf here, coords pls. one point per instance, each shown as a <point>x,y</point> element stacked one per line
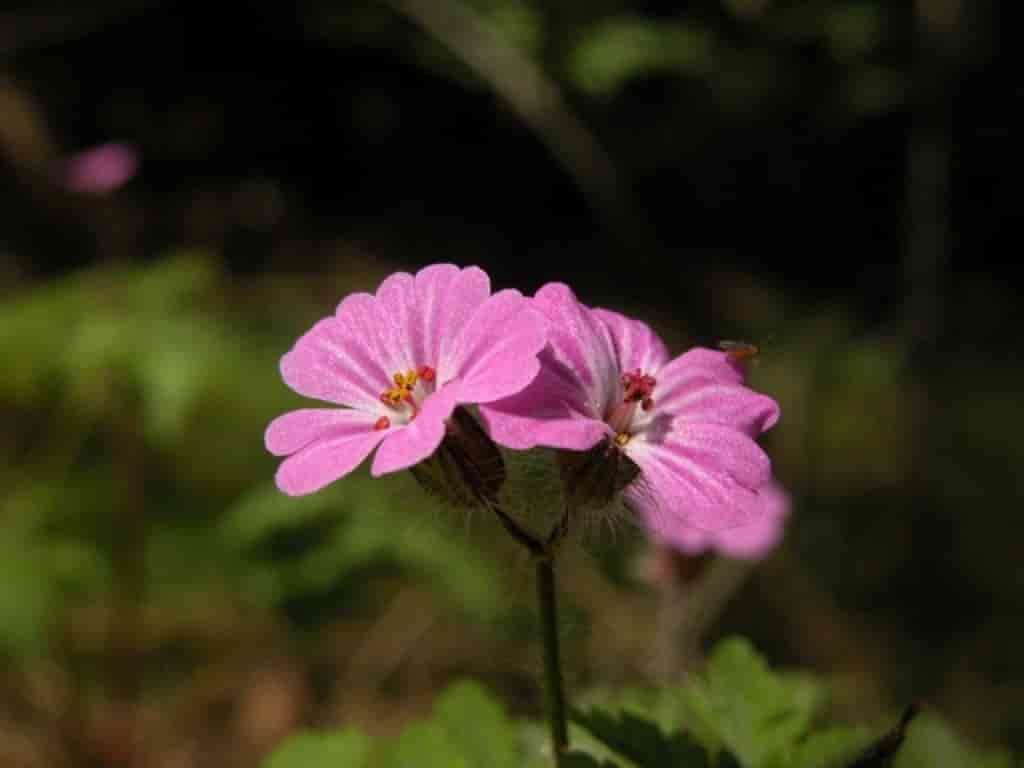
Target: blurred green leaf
<point>468,729</point>
<point>931,743</point>
<point>641,741</point>
<point>363,522</point>
<point>476,722</point>
<point>582,760</point>
<point>27,597</point>
<point>310,749</point>
<point>759,715</point>
<point>853,29</point>
<point>40,570</point>
<point>618,50</point>
<point>832,747</point>
<point>427,745</point>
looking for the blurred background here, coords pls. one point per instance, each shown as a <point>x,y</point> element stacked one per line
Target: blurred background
<point>828,179</point>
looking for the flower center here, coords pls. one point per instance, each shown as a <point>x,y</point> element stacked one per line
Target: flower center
<point>637,388</point>
<point>410,387</point>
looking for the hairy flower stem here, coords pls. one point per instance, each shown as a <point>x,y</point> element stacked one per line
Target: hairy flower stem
<point>543,553</point>
<point>552,661</point>
<point>533,545</point>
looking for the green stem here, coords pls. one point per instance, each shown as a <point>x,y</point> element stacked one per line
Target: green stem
<point>532,544</point>
<point>552,663</point>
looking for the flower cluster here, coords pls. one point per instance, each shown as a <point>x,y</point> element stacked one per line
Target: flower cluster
<point>675,438</point>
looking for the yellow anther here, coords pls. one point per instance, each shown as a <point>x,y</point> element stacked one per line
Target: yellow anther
<point>622,438</point>
<point>405,380</point>
<point>402,391</point>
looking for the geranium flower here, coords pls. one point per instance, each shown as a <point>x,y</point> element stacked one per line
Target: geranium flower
<point>398,363</point>
<point>686,425</point>
<point>752,541</point>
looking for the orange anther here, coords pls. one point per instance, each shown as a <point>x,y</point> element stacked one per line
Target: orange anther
<point>382,423</point>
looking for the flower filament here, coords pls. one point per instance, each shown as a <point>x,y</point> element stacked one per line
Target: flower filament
<point>637,388</point>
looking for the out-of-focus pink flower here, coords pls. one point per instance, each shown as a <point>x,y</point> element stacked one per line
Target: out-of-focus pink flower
<point>752,541</point>
<point>399,362</point>
<point>100,170</point>
<point>687,423</point>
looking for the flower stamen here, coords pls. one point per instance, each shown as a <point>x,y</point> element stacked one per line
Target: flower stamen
<point>638,387</point>
<point>637,390</point>
<point>402,391</point>
<point>382,423</point>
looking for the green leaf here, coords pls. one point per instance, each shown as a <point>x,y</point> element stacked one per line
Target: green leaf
<point>468,729</point>
<point>427,745</point>
<point>477,725</point>
<point>830,747</point>
<point>759,715</point>
<point>41,570</point>
<point>331,749</point>
<point>641,741</point>
<point>931,743</point>
<point>879,753</point>
<point>583,760</point>
<point>616,51</point>
<point>362,522</point>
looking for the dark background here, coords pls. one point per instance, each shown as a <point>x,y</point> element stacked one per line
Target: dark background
<point>829,179</point>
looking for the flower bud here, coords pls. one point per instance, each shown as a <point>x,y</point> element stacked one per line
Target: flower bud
<point>593,478</point>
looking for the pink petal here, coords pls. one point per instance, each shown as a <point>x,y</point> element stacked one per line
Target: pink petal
<point>752,541</point>
<point>495,354</point>
<point>325,461</point>
<point>448,300</point>
<point>330,364</point>
<point>374,338</point>
<point>723,404</point>
<point>549,411</point>
<point>583,344</point>
<point>756,540</point>
<point>293,431</point>
<point>636,345</point>
<point>703,475</point>
<point>698,366</point>
<point>397,300</point>
<point>415,442</point>
<point>719,451</point>
<point>432,289</point>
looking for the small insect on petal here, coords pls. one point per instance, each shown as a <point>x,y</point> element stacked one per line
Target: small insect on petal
<point>738,351</point>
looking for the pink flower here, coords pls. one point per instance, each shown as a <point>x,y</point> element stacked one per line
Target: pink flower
<point>752,541</point>
<point>100,170</point>
<point>688,423</point>
<point>399,362</point>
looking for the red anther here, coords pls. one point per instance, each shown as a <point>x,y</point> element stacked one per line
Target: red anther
<point>382,423</point>
<point>647,403</point>
<point>427,373</point>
